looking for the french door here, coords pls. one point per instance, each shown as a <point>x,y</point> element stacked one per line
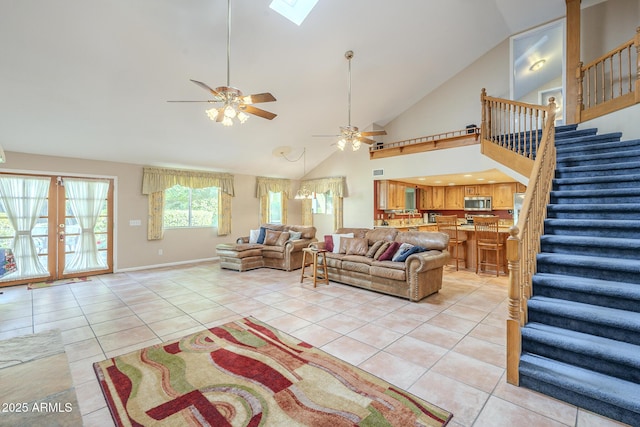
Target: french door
<point>57,227</point>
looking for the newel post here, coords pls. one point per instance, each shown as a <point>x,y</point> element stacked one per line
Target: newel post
<point>483,123</point>
<point>514,322</point>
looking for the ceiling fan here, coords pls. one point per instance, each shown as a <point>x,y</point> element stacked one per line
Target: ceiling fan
<point>350,134</point>
<point>234,103</point>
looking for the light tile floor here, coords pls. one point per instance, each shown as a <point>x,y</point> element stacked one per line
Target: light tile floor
<point>448,349</point>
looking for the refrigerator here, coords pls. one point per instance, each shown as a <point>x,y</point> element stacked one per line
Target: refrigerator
<point>518,200</point>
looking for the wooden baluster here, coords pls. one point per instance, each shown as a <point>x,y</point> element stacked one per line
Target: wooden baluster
<point>579,105</point>
<point>636,42</point>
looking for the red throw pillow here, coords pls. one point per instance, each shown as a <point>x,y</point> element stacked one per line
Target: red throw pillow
<point>328,243</point>
<point>388,254</point>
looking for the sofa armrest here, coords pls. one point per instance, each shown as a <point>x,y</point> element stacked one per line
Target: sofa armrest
<point>241,240</point>
<point>298,245</point>
<point>425,261</point>
<point>317,245</point>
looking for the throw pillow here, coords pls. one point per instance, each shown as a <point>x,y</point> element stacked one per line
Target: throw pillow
<point>337,247</point>
<point>271,237</point>
<point>263,232</point>
<point>253,235</point>
<point>374,248</point>
<point>328,243</point>
<point>383,247</point>
<point>413,250</point>
<point>284,237</point>
<point>403,247</point>
<point>354,245</point>
<point>295,235</point>
<point>391,250</point>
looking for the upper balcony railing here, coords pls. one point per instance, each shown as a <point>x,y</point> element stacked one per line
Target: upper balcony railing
<point>610,82</point>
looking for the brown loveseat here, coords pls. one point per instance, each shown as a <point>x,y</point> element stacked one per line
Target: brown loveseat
<point>415,278</point>
<point>280,249</point>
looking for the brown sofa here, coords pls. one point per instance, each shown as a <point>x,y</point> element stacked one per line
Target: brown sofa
<point>278,250</point>
<point>415,278</point>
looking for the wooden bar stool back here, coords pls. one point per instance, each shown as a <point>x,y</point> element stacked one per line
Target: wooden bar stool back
<point>487,240</point>
<point>457,239</point>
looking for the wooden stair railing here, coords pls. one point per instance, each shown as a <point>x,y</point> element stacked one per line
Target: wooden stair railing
<point>511,131</point>
<point>440,141</point>
<point>610,82</point>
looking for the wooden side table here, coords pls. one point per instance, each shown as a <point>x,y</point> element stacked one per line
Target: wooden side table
<point>319,265</point>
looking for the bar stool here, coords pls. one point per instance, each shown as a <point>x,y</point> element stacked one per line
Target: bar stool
<point>449,224</point>
<point>317,259</point>
<point>488,239</point>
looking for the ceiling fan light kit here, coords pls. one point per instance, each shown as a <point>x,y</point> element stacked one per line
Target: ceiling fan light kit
<point>350,135</point>
<point>234,104</point>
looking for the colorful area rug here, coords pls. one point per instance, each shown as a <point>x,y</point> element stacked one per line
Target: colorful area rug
<point>247,373</point>
<point>46,284</point>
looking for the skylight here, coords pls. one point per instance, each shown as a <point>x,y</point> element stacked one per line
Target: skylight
<point>294,10</point>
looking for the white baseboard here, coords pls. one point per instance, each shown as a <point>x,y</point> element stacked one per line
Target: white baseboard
<point>168,264</point>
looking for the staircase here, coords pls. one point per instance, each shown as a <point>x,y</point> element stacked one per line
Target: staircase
<point>582,340</point>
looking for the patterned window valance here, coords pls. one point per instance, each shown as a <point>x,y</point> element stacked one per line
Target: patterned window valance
<point>159,179</point>
<point>337,185</point>
<point>275,185</point>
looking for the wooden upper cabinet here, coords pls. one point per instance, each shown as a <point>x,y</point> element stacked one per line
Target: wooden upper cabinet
<point>425,198</point>
<point>503,195</point>
<point>437,200</point>
<point>454,197</point>
<point>391,194</point>
<point>382,190</point>
<point>478,190</point>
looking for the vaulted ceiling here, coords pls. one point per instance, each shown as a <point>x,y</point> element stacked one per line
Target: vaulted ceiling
<point>91,78</point>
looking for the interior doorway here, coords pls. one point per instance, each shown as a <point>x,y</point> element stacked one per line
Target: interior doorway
<point>57,226</point>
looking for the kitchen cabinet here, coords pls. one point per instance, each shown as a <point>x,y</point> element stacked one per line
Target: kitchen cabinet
<point>454,197</point>
<point>478,190</point>
<point>437,197</point>
<point>391,194</point>
<point>503,195</point>
<point>382,190</point>
<point>425,198</point>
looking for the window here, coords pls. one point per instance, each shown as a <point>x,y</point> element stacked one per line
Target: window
<point>275,207</point>
<point>323,203</point>
<point>191,207</point>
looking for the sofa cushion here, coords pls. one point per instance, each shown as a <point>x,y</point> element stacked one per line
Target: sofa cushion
<point>261,235</point>
<point>382,249</point>
<point>391,250</point>
<point>306,231</point>
<point>354,245</point>
<point>357,232</point>
<point>271,237</point>
<point>253,235</point>
<point>356,266</point>
<point>295,235</point>
<point>334,260</point>
<point>427,239</point>
<point>328,242</point>
<point>388,270</point>
<point>284,237</point>
<point>387,234</point>
<point>357,258</point>
<point>337,246</point>
<point>374,248</point>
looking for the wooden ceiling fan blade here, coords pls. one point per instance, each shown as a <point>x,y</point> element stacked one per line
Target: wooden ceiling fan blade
<point>208,102</point>
<point>257,98</point>
<point>373,133</point>
<point>366,140</point>
<point>257,112</point>
<point>206,87</point>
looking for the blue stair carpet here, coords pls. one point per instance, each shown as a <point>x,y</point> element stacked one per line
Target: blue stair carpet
<point>582,340</point>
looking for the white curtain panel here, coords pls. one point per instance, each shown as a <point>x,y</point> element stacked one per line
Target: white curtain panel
<point>86,199</point>
<point>23,199</point>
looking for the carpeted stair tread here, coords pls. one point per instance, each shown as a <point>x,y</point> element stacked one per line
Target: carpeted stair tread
<point>593,214</point>
<point>582,386</point>
<point>597,267</point>
<point>585,245</point>
<point>630,144</point>
<point>629,228</point>
<point>618,168</point>
<point>620,325</point>
<point>607,293</point>
<point>598,158</point>
<point>627,193</point>
<point>572,127</point>
<point>589,351</point>
<point>587,141</point>
<point>597,181</point>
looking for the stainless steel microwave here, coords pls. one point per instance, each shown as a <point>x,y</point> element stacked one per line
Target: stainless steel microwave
<point>477,203</point>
